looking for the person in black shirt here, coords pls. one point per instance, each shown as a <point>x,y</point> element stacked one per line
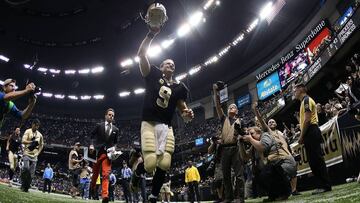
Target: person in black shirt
<point>12,147</point>
<point>163,95</point>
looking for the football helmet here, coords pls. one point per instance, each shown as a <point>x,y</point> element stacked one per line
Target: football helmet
<point>156,15</point>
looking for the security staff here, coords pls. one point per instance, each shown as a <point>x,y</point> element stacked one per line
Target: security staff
<point>311,137</point>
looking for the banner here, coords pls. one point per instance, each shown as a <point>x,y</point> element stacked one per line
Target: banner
<point>243,100</point>
<point>331,147</point>
<point>350,141</point>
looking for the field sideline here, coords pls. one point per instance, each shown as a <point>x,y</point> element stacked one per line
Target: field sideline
<point>341,194</point>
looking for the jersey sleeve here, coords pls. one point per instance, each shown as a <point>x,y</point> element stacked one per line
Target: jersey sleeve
<point>14,110</point>
<point>307,105</point>
<point>2,95</point>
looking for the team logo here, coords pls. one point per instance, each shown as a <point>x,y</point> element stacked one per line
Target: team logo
<point>161,81</point>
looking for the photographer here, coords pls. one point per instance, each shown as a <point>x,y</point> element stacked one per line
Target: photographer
<point>34,143</point>
<point>280,166</point>
<point>8,94</point>
<point>215,166</point>
<point>230,158</point>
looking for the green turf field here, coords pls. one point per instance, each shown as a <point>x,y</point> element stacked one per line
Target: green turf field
<point>340,194</point>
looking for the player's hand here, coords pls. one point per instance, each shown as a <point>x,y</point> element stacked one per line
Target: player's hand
<point>30,87</point>
<point>188,113</point>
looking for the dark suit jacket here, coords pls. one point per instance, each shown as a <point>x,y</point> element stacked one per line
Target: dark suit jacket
<point>101,140</point>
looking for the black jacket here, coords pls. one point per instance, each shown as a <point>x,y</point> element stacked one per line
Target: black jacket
<point>101,140</point>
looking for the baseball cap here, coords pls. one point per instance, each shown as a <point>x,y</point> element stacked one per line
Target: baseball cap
<point>8,81</point>
<point>77,144</point>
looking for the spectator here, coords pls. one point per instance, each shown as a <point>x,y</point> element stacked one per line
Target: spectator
<point>125,180</point>
<point>48,176</point>
<point>192,178</point>
<point>112,179</point>
<point>85,180</point>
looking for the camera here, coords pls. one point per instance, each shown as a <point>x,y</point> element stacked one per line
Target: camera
<point>33,144</point>
<point>215,138</point>
<point>37,90</point>
<point>220,85</point>
<point>297,157</point>
<point>239,129</point>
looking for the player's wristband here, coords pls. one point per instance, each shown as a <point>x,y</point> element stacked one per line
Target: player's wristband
<point>150,35</point>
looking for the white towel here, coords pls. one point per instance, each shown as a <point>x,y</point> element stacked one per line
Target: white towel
<point>161,132</point>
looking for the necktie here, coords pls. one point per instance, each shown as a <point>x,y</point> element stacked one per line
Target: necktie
<point>108,127</point>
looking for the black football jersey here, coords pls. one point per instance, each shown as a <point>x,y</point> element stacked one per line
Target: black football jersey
<point>161,98</point>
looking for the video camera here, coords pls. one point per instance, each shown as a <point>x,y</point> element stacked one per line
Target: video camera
<point>241,131</point>
<point>220,85</point>
<point>33,145</point>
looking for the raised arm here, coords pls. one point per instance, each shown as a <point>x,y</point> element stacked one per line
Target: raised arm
<point>264,126</point>
<point>17,94</point>
<point>142,52</point>
<point>219,110</point>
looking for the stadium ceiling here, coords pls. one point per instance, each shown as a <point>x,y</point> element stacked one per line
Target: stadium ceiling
<point>80,35</point>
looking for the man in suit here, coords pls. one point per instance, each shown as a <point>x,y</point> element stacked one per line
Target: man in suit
<point>104,136</point>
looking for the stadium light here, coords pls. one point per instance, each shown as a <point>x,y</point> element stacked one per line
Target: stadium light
<point>54,71</point>
<point>137,59</point>
<point>238,39</point>
<point>196,18</point>
<point>85,97</point>
<point>127,62</point>
<point>59,96</point>
<point>183,30</point>
<point>154,51</point>
<point>224,51</point>
<point>194,70</point>
<point>266,10</point>
<point>41,69</point>
<point>139,91</point>
<point>98,96</point>
<point>97,69</point>
<point>167,43</point>
<point>211,60</point>
<point>68,72</point>
<point>73,97</point>
<point>181,77</point>
<point>46,94</point>
<point>84,71</point>
<point>27,66</point>
<point>253,25</point>
<point>208,4</point>
<point>217,3</point>
<point>124,94</point>
<point>4,58</point>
